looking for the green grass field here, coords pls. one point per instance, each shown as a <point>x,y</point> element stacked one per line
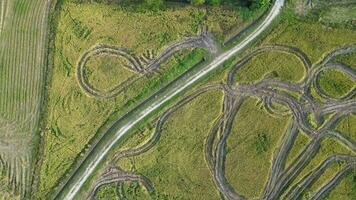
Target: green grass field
<point>176,164</point>
<point>72,117</point>
<point>347,59</point>
<point>178,157</point>
<point>346,189</point>
<point>328,147</point>
<point>250,147</point>
<point>277,65</point>
<point>313,38</point>
<point>103,75</point>
<point>256,133</point>
<point>335,83</point>
<point>347,126</point>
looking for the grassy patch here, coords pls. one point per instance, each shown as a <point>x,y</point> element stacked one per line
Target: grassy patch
<point>335,83</point>
<point>339,15</point>
<point>276,65</point>
<point>347,126</point>
<point>107,192</point>
<point>345,190</point>
<point>106,72</point>
<point>311,37</point>
<point>21,7</point>
<point>299,143</point>
<point>72,117</point>
<point>178,157</point>
<point>348,59</point>
<point>250,147</point>
<point>330,172</point>
<point>328,148</point>
<point>176,163</point>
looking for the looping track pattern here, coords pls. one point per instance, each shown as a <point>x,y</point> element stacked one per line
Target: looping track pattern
<point>274,91</point>
<point>143,66</point>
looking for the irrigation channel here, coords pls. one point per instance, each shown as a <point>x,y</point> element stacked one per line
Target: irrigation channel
<point>123,125</point>
<point>270,91</point>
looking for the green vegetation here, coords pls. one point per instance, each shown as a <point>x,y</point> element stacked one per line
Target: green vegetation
<point>348,59</point>
<point>347,126</point>
<point>315,39</point>
<point>249,4</point>
<point>299,143</point>
<point>346,189</point>
<point>311,37</point>
<point>250,147</point>
<point>328,148</point>
<point>277,65</point>
<point>156,4</point>
<point>176,164</point>
<point>335,83</point>
<point>339,15</point>
<point>73,118</point>
<point>104,72</point>
<point>178,156</point>
<point>255,133</point>
<point>261,143</point>
<point>108,192</point>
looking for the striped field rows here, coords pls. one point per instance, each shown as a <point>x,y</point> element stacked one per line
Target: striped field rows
<point>23,27</point>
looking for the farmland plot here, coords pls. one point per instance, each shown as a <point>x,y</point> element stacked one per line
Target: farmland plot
<point>23,26</point>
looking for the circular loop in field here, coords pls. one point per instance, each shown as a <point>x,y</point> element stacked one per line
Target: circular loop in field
<point>106,50</point>
<point>265,49</point>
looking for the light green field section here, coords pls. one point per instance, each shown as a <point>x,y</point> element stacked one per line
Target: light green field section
<point>299,143</point>
<point>347,126</point>
<point>178,156</point>
<point>250,147</point>
<point>328,148</point>
<point>104,72</point>
<point>276,65</point>
<point>313,38</point>
<point>256,134</point>
<point>335,83</point>
<point>23,37</point>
